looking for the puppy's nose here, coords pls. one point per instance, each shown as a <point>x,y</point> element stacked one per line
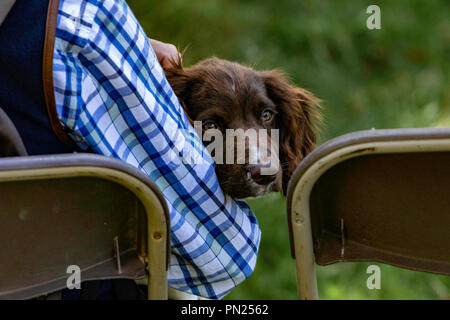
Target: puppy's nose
<point>261,179</point>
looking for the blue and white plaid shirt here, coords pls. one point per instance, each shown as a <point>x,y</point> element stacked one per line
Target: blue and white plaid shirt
<point>112,96</point>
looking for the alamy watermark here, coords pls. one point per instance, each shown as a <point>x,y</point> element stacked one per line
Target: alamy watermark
<point>74,280</point>
<point>236,146</point>
<point>373,22</point>
<point>374,280</point>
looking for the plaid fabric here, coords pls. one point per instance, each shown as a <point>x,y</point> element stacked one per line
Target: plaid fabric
<point>112,96</point>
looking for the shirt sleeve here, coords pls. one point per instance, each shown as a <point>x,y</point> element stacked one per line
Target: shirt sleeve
<point>112,97</point>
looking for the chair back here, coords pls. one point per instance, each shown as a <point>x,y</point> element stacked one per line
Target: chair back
<point>61,212</point>
<point>10,142</point>
<point>374,196</point>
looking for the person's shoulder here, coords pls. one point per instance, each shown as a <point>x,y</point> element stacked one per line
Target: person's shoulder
<point>75,24</point>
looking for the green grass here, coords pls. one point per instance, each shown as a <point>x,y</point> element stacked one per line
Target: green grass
<point>395,77</point>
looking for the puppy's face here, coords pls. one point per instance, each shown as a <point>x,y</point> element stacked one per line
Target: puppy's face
<point>245,106</point>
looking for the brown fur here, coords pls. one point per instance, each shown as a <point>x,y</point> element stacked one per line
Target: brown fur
<point>233,95</point>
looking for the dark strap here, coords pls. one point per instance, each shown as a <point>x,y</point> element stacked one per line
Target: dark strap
<point>47,72</point>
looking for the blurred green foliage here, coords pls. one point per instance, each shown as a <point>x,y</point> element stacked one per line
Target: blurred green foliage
<point>395,77</point>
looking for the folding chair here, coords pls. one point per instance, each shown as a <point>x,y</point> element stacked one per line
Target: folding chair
<point>95,212</point>
<point>377,195</point>
<point>5,7</point>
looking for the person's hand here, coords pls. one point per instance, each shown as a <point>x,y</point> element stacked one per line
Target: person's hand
<point>166,53</point>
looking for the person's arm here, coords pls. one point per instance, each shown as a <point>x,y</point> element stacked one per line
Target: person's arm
<point>112,96</point>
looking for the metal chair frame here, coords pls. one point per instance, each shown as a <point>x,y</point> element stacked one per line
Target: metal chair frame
<point>404,141</point>
<point>156,253</point>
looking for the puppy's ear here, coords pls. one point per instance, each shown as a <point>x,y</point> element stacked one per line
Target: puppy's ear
<point>298,118</point>
<point>181,81</point>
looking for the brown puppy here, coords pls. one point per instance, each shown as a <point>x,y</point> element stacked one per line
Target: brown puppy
<point>226,95</point>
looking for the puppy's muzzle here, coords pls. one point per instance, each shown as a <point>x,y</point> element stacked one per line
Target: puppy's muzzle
<point>258,176</point>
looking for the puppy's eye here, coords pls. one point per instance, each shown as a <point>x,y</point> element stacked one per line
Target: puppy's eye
<point>267,115</point>
<point>209,125</point>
